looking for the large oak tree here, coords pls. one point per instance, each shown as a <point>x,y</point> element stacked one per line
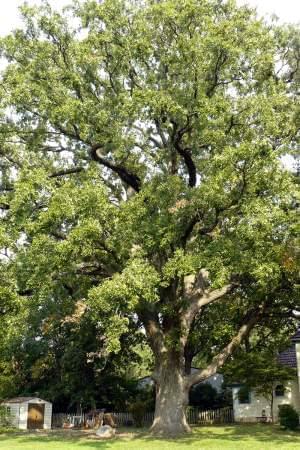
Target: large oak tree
<point>141,176</point>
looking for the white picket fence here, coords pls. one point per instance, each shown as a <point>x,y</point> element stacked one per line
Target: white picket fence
<point>121,419</point>
<point>222,415</point>
<point>195,416</point>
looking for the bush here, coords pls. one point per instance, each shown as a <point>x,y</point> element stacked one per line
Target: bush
<point>288,417</point>
<point>244,395</point>
<point>4,430</point>
<point>143,403</point>
<point>203,396</point>
<point>138,411</point>
<point>5,419</point>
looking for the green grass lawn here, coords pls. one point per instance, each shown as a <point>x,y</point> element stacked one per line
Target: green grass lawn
<point>237,437</point>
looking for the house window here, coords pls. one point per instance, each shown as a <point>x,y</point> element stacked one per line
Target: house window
<point>279,390</point>
<point>244,395</point>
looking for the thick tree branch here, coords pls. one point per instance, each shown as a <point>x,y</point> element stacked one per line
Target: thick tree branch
<point>70,134</point>
<point>189,229</point>
<point>6,188</point>
<point>192,346</point>
<point>186,156</point>
<point>198,296</point>
<point>221,357</point>
<point>214,295</point>
<point>4,206</point>
<point>9,158</point>
<point>185,153</point>
<point>59,235</point>
<point>147,135</point>
<point>26,293</point>
<point>218,211</point>
<point>125,175</point>
<point>102,246</point>
<point>294,71</point>
<point>203,231</point>
<point>153,330</point>
<point>221,60</point>
<point>61,173</point>
<point>161,133</point>
<point>155,142</point>
<point>53,149</point>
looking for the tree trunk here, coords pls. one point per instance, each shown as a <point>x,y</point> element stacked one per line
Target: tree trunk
<point>171,402</point>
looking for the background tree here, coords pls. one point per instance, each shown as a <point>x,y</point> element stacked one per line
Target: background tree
<point>141,177</point>
<point>62,357</point>
<point>205,396</point>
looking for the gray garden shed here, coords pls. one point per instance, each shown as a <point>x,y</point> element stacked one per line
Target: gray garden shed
<point>29,413</point>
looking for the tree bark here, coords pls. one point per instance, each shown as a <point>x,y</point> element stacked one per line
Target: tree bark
<point>172,393</point>
<point>171,374</point>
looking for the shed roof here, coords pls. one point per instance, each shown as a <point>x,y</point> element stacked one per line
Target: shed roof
<point>23,400</point>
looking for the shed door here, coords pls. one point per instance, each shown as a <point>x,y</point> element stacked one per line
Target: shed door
<point>35,418</point>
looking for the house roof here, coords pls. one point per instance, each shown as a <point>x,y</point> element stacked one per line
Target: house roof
<point>288,357</point>
<point>296,337</point>
<point>21,399</point>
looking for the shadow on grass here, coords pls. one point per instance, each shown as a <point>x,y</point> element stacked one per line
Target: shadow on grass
<point>232,433</point>
<point>236,433</point>
<point>269,434</point>
<point>57,440</point>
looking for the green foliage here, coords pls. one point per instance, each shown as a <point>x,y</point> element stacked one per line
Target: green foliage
<point>143,402</point>
<point>140,148</point>
<point>7,430</point>
<point>138,410</point>
<point>4,417</point>
<point>203,396</point>
<point>288,417</point>
<point>244,394</point>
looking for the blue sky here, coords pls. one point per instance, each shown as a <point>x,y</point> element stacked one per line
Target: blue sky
<point>286,10</point>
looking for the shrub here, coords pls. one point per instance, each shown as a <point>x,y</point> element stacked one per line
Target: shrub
<point>4,416</point>
<point>138,410</point>
<point>244,395</point>
<point>4,430</point>
<point>288,417</point>
<point>203,395</point>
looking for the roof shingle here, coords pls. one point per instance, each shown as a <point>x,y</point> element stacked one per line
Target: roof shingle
<point>288,357</point>
<point>19,399</point>
<point>296,337</point>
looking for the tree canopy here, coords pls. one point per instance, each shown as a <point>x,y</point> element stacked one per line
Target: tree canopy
<point>141,181</point>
